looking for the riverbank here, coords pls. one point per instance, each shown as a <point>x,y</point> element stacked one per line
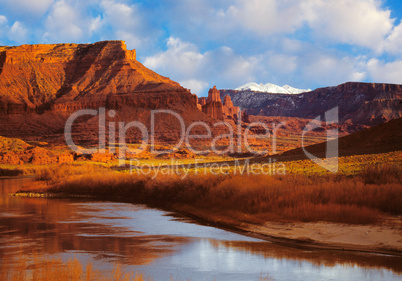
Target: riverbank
<point>383,238</point>
<point>359,213</point>
<point>379,239</point>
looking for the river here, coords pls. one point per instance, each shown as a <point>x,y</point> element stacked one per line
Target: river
<point>162,245</point>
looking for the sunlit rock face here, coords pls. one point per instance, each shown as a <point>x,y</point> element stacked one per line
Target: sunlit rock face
<point>71,76</point>
<point>229,109</point>
<point>213,104</point>
<point>42,85</point>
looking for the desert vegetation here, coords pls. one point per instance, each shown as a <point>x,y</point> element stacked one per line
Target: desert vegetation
<point>367,197</point>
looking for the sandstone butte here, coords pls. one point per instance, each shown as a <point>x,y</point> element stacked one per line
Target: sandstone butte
<point>41,85</point>
<point>35,76</point>
<point>213,106</point>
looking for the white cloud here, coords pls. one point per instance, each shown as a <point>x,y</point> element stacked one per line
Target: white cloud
<point>3,27</point>
<point>183,57</point>
<point>130,38</point>
<point>383,72</point>
<point>95,24</point>
<point>27,7</point>
<point>364,23</point>
<point>393,43</point>
<point>127,22</point>
<point>283,63</point>
<point>358,76</point>
<point>360,22</point>
<point>3,20</point>
<point>18,33</point>
<point>232,41</point>
<point>196,86</point>
<point>69,21</point>
<point>264,17</point>
<point>182,61</point>
<point>327,69</point>
<point>121,15</point>
<point>231,66</point>
<point>63,23</point>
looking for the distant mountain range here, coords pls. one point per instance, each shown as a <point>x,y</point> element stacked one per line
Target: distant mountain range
<point>271,88</point>
<point>366,104</point>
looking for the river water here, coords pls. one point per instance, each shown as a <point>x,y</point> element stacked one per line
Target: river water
<point>161,246</point>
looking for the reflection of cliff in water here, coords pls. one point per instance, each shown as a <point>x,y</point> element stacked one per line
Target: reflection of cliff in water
<point>42,225</point>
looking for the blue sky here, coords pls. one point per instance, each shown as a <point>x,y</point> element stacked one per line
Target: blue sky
<point>201,43</point>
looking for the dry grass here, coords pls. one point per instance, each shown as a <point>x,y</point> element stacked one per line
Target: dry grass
<point>381,174</point>
<point>64,172</point>
<point>301,199</point>
<point>357,200</point>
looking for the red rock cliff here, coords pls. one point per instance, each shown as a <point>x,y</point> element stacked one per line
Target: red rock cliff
<point>36,77</point>
<point>41,85</point>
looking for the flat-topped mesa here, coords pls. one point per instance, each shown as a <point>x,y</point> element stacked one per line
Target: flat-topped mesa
<point>59,53</point>
<point>37,77</point>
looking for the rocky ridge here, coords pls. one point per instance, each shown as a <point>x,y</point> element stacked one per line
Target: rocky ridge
<point>365,104</point>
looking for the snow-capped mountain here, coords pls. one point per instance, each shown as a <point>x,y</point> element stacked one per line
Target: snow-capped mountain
<point>360,104</point>
<point>271,88</point>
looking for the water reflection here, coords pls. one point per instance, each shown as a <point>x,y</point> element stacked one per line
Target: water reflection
<point>54,226</point>
<point>318,258</point>
<point>157,244</point>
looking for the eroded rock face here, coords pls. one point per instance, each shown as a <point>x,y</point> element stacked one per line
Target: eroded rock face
<point>42,85</point>
<point>36,77</point>
<point>213,95</point>
<point>229,109</point>
<point>358,103</point>
<point>213,105</point>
